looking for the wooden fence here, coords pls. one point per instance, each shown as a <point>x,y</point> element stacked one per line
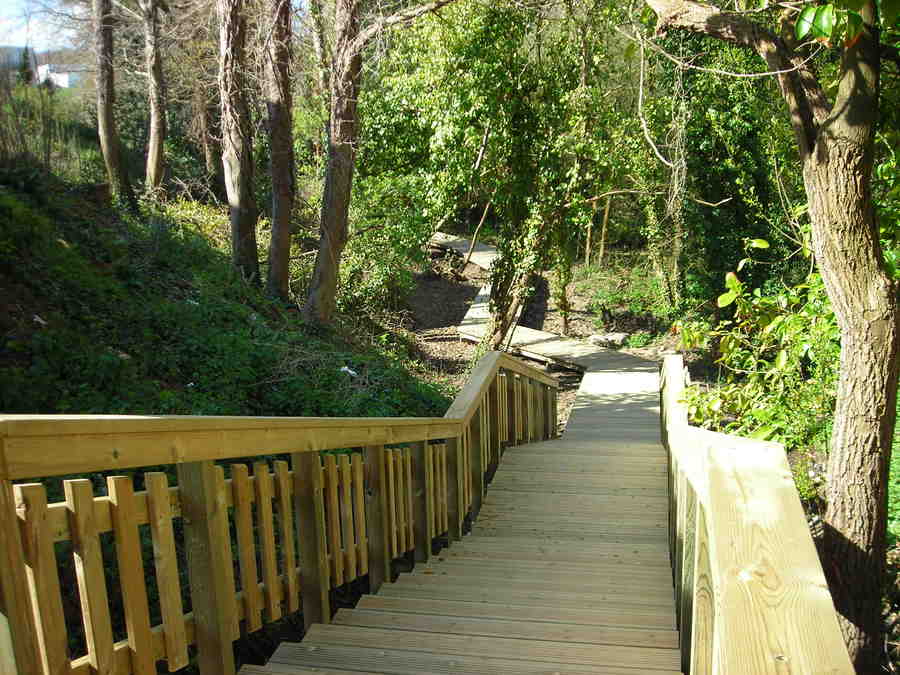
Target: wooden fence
<point>258,541</point>
<point>750,591</point>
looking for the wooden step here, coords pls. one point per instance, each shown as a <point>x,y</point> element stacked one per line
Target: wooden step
<point>405,662</point>
<point>594,616</point>
<point>522,630</point>
<point>559,576</point>
<point>637,603</point>
<point>646,657</point>
<point>541,568</point>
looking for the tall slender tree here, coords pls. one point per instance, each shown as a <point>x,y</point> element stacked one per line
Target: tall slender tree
<point>237,136</point>
<point>346,66</point>
<point>156,90</point>
<point>835,140</point>
<point>281,142</point>
<point>106,96</point>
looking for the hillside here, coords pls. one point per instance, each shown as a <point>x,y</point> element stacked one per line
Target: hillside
<point>102,314</point>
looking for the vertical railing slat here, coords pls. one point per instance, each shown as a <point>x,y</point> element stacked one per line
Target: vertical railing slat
<point>455,489</point>
<point>286,520</point>
<point>334,521</point>
<point>410,501</point>
<point>390,503</point>
<point>89,570</point>
<point>246,546</point>
<point>350,571</point>
<point>43,578</point>
<point>359,513</point>
<point>422,499</point>
<point>165,560</point>
<point>265,523</point>
<point>131,575</point>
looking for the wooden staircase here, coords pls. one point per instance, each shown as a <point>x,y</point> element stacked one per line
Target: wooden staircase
<point>566,569</point>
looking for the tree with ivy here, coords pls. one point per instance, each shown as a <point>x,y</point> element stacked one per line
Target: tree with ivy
<point>835,136</point>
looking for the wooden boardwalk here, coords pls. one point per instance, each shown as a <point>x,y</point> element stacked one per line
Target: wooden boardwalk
<point>566,569</point>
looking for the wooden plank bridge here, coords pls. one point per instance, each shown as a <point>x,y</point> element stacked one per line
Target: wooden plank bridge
<point>566,568</point>
<point>635,543</point>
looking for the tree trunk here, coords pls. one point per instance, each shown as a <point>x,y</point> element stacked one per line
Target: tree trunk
<point>156,89</point>
<point>281,141</point>
<point>836,144</point>
<point>865,305</point>
<point>237,138</point>
<point>602,251</point>
<point>106,96</point>
<point>333,226</point>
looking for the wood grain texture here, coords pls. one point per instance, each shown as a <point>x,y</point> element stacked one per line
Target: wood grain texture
<point>284,500</point>
<point>131,575</point>
<point>165,560</point>
<point>43,578</point>
<point>91,576</point>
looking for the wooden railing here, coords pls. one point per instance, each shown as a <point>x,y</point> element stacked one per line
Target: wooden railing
<point>256,544</point>
<point>751,594</point>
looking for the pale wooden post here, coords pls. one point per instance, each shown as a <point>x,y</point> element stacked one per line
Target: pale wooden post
<point>495,415</point>
<point>309,520</point>
<point>423,510</point>
<point>456,510</point>
<point>20,657</point>
<point>376,517</point>
<point>205,517</point>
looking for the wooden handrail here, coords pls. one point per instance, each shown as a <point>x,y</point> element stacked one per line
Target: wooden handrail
<point>751,594</point>
<point>334,518</point>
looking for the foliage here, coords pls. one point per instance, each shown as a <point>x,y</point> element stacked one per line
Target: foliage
<point>118,316</point>
<point>778,358</point>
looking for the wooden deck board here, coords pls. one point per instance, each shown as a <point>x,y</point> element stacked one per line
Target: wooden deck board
<point>566,569</point>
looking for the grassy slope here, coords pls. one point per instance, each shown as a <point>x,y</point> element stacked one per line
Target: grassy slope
<point>105,315</point>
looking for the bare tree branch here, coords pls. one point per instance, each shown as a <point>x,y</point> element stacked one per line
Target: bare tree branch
<point>799,85</point>
<point>403,16</point>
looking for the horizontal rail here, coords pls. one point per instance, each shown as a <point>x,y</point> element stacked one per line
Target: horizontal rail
<point>750,591</point>
<point>261,538</point>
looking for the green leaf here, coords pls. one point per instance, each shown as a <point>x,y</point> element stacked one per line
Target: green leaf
<point>823,23</point>
<point>763,433</point>
<point>741,264</point>
<point>805,22</point>
<point>781,360</point>
<point>758,243</point>
<point>726,299</point>
<point>732,283</point>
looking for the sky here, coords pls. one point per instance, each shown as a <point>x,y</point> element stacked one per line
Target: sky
<point>24,22</point>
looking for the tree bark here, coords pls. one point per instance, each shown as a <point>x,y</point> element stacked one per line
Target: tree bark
<point>346,64</point>
<point>281,141</point>
<point>106,96</point>
<point>237,137</point>
<point>342,136</point>
<point>836,146</point>
<point>156,90</point>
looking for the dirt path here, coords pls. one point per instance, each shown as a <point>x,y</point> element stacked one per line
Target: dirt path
<point>441,299</point>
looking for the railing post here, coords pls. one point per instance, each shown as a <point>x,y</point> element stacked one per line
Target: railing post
<point>528,393</point>
<point>376,517</point>
<point>423,503</point>
<point>456,510</point>
<point>16,618</point>
<point>309,519</point>
<point>204,513</point>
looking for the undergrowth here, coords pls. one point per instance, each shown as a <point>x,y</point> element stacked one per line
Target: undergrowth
<point>105,314</point>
